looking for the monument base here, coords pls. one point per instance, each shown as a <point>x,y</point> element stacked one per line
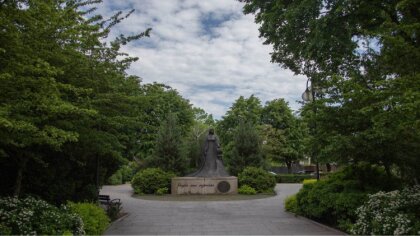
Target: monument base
<point>204,185</point>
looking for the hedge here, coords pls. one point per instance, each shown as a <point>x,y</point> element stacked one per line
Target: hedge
<point>292,178</point>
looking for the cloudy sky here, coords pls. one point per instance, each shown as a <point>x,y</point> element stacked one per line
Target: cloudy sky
<point>207,50</point>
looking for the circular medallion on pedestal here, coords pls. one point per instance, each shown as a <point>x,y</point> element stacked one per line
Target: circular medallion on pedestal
<point>223,186</point>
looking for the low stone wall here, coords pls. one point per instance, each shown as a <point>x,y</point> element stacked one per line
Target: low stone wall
<point>201,185</point>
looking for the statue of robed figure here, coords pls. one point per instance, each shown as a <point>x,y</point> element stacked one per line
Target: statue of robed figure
<point>211,163</point>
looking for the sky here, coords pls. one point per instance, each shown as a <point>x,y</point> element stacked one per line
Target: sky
<point>209,51</point>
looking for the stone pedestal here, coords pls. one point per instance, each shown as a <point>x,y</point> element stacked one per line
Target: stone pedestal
<point>204,185</point>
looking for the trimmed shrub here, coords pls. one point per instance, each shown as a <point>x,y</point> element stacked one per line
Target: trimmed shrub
<point>33,216</point>
<point>94,217</point>
<point>334,200</point>
<point>245,189</point>
<point>309,181</point>
<point>292,178</point>
<point>290,204</point>
<point>148,181</point>
<point>162,191</point>
<point>390,213</point>
<point>258,179</point>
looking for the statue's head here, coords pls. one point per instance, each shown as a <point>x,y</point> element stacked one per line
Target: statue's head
<point>211,131</point>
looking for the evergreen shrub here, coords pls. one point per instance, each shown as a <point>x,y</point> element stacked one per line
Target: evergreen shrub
<point>292,178</point>
<point>290,204</point>
<point>245,189</point>
<point>150,180</point>
<point>334,200</point>
<point>33,216</point>
<point>258,179</point>
<point>162,191</point>
<point>309,181</point>
<point>94,217</point>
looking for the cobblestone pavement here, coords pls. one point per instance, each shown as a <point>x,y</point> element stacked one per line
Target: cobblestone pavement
<point>248,217</point>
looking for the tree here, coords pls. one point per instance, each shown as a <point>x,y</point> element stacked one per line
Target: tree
<point>245,149</point>
<point>168,153</point>
<point>159,101</point>
<point>243,109</point>
<point>283,132</point>
<point>67,112</point>
<point>361,57</point>
<point>196,137</point>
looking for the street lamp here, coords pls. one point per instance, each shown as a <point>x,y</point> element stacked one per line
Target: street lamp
<point>309,96</point>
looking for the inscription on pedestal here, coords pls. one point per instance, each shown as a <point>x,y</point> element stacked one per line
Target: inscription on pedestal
<point>200,185</point>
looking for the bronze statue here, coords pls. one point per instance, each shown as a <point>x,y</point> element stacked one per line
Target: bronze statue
<point>211,164</point>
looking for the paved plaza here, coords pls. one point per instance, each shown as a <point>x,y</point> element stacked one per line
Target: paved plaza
<point>247,217</point>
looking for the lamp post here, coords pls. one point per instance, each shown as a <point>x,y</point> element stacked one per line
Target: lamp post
<point>310,96</point>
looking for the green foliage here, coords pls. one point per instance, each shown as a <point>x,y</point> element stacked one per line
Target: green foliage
<point>116,178</point>
<point>95,220</point>
<point>362,61</point>
<point>31,216</point>
<point>128,171</point>
<point>69,112</point>
<point>258,179</point>
<point>161,100</point>
<point>292,178</point>
<point>290,204</point>
<point>242,110</point>
<point>309,181</point>
<point>283,133</point>
<point>149,181</point>
<point>390,213</point>
<point>194,143</point>
<point>123,175</point>
<point>245,150</point>
<point>168,154</point>
<point>162,191</point>
<point>247,190</point>
<point>334,200</point>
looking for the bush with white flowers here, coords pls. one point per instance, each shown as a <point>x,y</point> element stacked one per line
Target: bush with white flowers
<point>390,213</point>
<point>32,216</point>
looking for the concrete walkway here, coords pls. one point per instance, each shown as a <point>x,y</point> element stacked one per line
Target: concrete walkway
<point>249,217</point>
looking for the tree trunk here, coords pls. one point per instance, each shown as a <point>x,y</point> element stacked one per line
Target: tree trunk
<point>388,171</point>
<point>328,167</point>
<point>289,167</point>
<point>19,177</point>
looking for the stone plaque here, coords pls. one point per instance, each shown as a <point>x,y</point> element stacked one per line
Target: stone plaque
<point>223,186</point>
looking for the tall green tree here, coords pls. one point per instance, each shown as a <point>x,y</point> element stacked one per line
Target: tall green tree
<point>245,149</point>
<point>168,149</point>
<point>284,133</point>
<point>361,57</point>
<point>67,109</point>
<point>159,101</point>
<point>243,109</point>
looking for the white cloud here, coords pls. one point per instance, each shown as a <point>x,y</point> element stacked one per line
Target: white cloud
<point>207,50</point>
